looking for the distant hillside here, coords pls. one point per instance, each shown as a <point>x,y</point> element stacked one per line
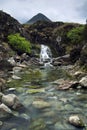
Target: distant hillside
<point>38,17</point>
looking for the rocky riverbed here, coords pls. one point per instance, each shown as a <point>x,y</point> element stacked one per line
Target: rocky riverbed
<point>36,98</point>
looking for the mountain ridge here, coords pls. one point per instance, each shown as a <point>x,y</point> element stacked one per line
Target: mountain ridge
<point>38,17</point>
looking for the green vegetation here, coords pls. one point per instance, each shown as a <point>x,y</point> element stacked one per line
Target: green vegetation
<point>19,44</point>
<point>76,35</point>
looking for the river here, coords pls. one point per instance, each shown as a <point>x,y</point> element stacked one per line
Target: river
<point>45,107</point>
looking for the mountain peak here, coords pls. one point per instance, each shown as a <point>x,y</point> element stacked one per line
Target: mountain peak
<point>38,17</point>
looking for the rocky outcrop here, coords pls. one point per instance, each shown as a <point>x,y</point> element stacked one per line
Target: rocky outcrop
<point>9,25</point>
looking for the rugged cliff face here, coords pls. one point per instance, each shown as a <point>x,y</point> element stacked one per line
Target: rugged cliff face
<point>9,25</point>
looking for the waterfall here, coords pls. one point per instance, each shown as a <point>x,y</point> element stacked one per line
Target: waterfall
<point>45,55</point>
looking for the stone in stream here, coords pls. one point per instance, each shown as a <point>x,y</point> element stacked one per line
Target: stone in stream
<point>68,85</point>
<point>38,124</point>
<point>76,121</point>
<point>40,104</point>
<point>16,77</point>
<point>11,100</point>
<point>4,111</point>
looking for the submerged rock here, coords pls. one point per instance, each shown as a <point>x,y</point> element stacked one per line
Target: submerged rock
<point>38,124</point>
<point>40,104</point>
<point>33,91</point>
<point>76,121</point>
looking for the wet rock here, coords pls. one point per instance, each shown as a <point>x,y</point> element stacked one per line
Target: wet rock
<point>79,74</point>
<point>76,121</point>
<point>33,91</point>
<point>38,124</point>
<point>62,60</point>
<point>83,81</point>
<point>1,123</point>
<point>17,69</point>
<point>16,77</point>
<point>4,111</point>
<point>11,100</point>
<point>40,104</point>
<point>68,85</point>
<point>59,81</point>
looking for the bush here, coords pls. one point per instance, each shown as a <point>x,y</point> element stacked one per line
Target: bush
<point>76,35</point>
<point>19,44</point>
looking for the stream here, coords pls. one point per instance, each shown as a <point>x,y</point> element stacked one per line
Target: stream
<point>45,107</point>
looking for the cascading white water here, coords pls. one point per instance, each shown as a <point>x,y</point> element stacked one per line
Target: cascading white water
<point>45,55</point>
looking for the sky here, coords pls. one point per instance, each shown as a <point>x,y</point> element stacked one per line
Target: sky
<point>56,10</point>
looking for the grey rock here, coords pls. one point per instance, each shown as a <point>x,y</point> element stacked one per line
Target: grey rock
<point>11,100</point>
<point>76,121</point>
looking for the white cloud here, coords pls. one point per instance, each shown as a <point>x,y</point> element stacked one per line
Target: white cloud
<point>56,10</point>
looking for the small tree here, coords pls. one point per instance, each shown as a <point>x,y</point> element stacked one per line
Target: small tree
<point>76,35</point>
<point>18,43</point>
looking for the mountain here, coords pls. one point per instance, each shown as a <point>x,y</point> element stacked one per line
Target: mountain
<point>38,17</point>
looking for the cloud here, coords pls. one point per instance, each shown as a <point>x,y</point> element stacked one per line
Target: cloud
<point>56,10</point>
<point>83,10</point>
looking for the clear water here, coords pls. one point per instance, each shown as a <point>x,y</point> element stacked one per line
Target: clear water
<point>62,103</point>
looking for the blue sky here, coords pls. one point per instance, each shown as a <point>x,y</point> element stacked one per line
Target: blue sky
<point>56,10</point>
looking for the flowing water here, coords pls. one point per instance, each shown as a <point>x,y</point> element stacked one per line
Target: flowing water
<point>45,107</point>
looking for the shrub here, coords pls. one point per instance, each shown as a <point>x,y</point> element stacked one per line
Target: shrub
<point>76,35</point>
<point>18,43</point>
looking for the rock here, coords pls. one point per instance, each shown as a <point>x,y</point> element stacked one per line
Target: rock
<point>12,61</point>
<point>4,111</point>
<point>75,54</point>
<point>83,81</point>
<point>59,81</point>
<point>83,55</point>
<point>38,124</point>
<point>1,123</point>
<point>67,85</point>
<point>1,94</point>
<point>40,104</point>
<point>17,69</point>
<point>62,60</point>
<point>78,74</point>
<point>76,121</point>
<point>2,84</point>
<point>33,91</point>
<point>4,64</point>
<point>16,77</point>
<point>11,100</point>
